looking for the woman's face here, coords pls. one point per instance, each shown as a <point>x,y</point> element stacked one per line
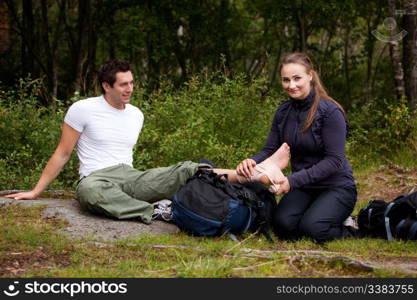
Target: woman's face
<point>295,80</point>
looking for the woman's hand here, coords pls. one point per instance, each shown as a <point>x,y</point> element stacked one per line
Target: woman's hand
<point>245,168</point>
<point>284,186</point>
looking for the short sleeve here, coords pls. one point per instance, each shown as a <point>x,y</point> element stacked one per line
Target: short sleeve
<point>76,116</point>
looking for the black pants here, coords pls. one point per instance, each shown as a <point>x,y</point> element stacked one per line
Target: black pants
<point>315,213</point>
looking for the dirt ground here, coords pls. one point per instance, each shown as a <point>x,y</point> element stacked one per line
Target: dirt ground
<point>386,183</point>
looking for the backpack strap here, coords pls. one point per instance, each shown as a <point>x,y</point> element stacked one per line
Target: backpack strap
<point>386,218</point>
<point>412,232</point>
<point>263,222</point>
<point>400,197</point>
<point>399,227</point>
<point>406,229</point>
<point>249,219</point>
<point>369,217</point>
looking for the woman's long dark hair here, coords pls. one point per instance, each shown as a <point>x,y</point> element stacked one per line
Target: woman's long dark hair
<point>316,84</point>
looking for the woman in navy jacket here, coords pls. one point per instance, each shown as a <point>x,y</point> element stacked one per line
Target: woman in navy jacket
<point>320,193</point>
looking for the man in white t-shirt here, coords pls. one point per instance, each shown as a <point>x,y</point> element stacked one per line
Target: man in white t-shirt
<point>105,130</point>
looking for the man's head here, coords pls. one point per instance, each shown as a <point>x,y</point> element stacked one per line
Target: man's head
<point>108,70</point>
<point>116,82</point>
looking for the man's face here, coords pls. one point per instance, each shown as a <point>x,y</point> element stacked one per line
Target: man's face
<point>119,94</point>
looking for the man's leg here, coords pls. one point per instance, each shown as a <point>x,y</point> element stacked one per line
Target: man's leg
<point>102,193</point>
<point>124,192</point>
<point>160,183</point>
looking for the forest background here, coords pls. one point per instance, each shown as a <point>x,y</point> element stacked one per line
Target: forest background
<point>206,75</point>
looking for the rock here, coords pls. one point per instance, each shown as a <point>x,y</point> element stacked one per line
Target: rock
<point>82,224</point>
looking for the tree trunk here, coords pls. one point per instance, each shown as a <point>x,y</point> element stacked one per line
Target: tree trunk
<point>172,25</point>
<point>275,70</point>
<point>47,46</point>
<point>153,72</point>
<point>369,45</point>
<point>52,47</point>
<point>410,53</point>
<point>301,26</point>
<point>395,54</point>
<point>370,48</point>
<point>346,59</point>
<point>4,28</point>
<point>84,13</point>
<point>90,69</point>
<point>28,37</point>
<point>223,41</point>
<point>112,42</point>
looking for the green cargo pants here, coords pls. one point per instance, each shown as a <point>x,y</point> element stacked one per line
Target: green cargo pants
<point>123,192</point>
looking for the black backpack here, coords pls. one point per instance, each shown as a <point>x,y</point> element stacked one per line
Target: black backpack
<point>390,220</point>
<point>209,205</point>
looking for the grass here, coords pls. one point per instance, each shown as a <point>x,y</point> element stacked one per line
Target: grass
<point>31,246</point>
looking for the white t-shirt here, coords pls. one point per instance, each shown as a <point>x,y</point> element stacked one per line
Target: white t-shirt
<point>108,135</point>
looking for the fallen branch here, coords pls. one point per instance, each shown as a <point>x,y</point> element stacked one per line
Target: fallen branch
<point>346,260</point>
<point>241,242</point>
<point>397,168</point>
<point>181,247</point>
<point>173,268</point>
<point>246,250</point>
<point>357,264</point>
<point>288,251</point>
<point>250,255</point>
<point>252,267</point>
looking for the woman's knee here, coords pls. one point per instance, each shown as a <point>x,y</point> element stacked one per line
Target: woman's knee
<point>316,229</point>
<point>284,224</point>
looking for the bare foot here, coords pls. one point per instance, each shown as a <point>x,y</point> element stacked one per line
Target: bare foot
<point>269,170</point>
<point>281,157</point>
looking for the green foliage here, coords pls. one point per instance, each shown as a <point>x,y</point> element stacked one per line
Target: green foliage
<point>212,116</point>
<point>221,119</point>
<point>381,130</point>
<point>29,135</point>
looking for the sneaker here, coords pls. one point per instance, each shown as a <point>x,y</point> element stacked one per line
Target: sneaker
<point>351,221</point>
<point>162,211</point>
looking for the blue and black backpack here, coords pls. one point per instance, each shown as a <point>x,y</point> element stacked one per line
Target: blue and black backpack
<point>209,205</point>
<point>390,220</point>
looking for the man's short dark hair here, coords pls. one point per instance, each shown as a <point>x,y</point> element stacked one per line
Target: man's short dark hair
<point>108,70</point>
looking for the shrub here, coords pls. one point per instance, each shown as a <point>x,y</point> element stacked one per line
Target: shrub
<point>29,135</point>
<point>381,130</point>
<point>222,119</point>
<point>219,118</point>
<point>225,120</point>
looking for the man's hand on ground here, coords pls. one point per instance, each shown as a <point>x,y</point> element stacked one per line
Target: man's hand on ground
<point>23,195</point>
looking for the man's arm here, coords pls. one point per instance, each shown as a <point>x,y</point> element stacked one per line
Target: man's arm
<point>69,138</point>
